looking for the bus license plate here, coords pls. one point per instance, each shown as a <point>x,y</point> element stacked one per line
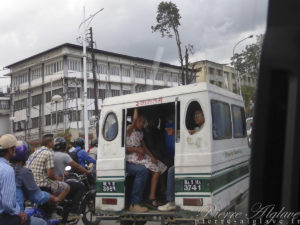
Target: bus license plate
<point>192,185</point>
<point>109,186</point>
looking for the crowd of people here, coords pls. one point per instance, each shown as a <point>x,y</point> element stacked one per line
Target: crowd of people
<point>38,176</point>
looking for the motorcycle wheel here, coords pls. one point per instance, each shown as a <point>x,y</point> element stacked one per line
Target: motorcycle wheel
<point>88,210</point>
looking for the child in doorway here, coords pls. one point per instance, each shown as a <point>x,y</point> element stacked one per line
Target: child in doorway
<point>138,153</point>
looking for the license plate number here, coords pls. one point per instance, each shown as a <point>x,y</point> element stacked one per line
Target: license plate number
<point>192,185</point>
<point>109,186</point>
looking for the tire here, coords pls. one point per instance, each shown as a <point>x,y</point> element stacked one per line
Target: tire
<point>87,209</point>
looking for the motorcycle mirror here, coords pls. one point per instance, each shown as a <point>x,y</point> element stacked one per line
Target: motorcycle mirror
<point>68,168</point>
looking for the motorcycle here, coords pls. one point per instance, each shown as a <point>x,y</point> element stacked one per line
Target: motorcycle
<point>86,207</point>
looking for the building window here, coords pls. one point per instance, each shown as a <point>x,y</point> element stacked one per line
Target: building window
<point>59,116</point>
<point>115,93</point>
<point>139,73</point>
<point>4,104</point>
<point>126,72</point>
<point>212,82</point>
<point>75,65</point>
<point>53,67</point>
<point>175,78</point>
<point>35,122</point>
<point>219,83</point>
<point>114,70</point>
<point>159,76</point>
<point>102,93</point>
<point>90,93</point>
<point>101,68</point>
<point>74,115</point>
<point>20,78</point>
<point>19,126</point>
<point>148,74</point>
<point>20,104</point>
<point>168,77</point>
<point>74,92</point>
<point>36,73</point>
<point>36,100</point>
<point>126,92</point>
<point>211,70</point>
<point>220,73</point>
<point>48,120</point>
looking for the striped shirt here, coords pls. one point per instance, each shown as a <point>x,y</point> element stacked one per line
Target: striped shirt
<point>8,202</point>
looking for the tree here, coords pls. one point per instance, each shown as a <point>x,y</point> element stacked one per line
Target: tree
<point>168,22</point>
<point>248,60</point>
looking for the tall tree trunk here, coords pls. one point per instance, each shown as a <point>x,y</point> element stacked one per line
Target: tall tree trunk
<point>178,42</point>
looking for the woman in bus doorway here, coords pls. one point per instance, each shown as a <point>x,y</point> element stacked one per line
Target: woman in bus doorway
<point>137,153</point>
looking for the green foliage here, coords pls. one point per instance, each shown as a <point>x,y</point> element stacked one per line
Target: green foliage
<point>167,19</point>
<point>248,60</point>
<point>248,93</point>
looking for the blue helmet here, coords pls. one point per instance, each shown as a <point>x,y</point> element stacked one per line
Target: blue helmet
<point>79,142</point>
<point>22,152</point>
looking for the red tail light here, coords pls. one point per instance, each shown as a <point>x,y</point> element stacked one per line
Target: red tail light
<point>109,201</point>
<point>193,201</point>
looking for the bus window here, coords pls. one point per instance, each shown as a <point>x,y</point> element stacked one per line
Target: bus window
<point>221,120</point>
<point>239,124</point>
<point>110,128</point>
<point>194,119</point>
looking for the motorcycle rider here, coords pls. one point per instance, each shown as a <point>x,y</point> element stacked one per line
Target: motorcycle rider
<point>83,157</point>
<point>61,160</point>
<point>10,212</point>
<point>26,186</point>
<point>41,163</point>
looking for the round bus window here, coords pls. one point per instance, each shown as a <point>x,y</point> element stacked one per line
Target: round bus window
<point>194,119</point>
<point>110,128</point>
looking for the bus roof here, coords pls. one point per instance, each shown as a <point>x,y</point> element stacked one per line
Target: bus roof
<point>168,92</point>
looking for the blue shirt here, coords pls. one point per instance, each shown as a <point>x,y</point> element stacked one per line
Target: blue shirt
<point>27,188</point>
<point>170,141</point>
<point>8,203</point>
<point>83,157</point>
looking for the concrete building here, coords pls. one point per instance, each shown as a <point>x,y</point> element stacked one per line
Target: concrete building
<point>4,113</point>
<point>221,75</point>
<point>58,71</point>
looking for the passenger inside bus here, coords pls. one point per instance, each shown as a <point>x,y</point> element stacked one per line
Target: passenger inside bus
<point>137,153</point>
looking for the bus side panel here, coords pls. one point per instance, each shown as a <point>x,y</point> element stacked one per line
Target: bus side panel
<point>110,194</point>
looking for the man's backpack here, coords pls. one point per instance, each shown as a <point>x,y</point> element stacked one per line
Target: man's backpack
<point>74,155</point>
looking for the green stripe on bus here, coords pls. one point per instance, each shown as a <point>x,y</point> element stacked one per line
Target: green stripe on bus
<point>239,180</point>
<point>213,183</point>
<point>213,173</point>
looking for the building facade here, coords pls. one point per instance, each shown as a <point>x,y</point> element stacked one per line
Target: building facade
<point>58,71</point>
<point>222,75</point>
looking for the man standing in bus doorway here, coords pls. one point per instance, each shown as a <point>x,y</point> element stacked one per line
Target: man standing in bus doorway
<point>199,121</point>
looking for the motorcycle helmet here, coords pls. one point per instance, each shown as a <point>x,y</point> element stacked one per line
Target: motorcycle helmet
<point>22,152</point>
<point>60,143</point>
<point>95,143</point>
<point>79,142</point>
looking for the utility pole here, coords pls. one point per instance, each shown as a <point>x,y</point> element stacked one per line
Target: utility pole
<point>95,82</point>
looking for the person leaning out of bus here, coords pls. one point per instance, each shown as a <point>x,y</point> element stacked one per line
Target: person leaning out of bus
<point>199,121</point>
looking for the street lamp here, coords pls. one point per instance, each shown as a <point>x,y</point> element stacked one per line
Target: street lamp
<point>239,78</point>
<point>56,99</point>
<point>85,113</point>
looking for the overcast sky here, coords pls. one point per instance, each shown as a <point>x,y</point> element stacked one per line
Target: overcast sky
<point>124,26</point>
